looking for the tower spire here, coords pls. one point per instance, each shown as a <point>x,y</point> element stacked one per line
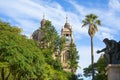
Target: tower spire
<point>43,16</point>
<point>66,19</point>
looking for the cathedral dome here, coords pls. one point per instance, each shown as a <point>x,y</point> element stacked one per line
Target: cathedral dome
<point>38,35</point>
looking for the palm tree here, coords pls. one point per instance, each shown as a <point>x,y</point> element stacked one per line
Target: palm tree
<point>91,21</point>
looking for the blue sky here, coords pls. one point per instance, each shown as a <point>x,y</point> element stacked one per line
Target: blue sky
<point>27,14</point>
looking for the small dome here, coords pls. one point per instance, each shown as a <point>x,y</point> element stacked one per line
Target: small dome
<point>43,21</point>
<point>67,25</point>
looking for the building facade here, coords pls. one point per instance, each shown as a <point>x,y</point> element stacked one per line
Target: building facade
<point>66,32</point>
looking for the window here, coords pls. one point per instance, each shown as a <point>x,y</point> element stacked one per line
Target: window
<point>66,56</point>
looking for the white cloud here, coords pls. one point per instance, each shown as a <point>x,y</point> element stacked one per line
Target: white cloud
<point>106,32</point>
<point>109,19</point>
<point>104,35</point>
<point>25,11</point>
<point>115,5</point>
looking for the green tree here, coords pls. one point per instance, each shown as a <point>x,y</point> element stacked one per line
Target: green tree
<point>23,59</point>
<point>57,44</point>
<point>52,43</point>
<point>92,21</point>
<point>50,37</point>
<point>100,67</point>
<point>20,58</point>
<point>100,72</point>
<point>73,60</point>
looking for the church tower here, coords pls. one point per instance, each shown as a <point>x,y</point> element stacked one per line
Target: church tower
<point>65,54</point>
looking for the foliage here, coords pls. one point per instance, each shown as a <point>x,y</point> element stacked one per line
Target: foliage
<point>74,57</point>
<point>23,59</point>
<point>92,21</point>
<point>20,57</point>
<point>51,37</point>
<point>99,69</point>
<point>54,43</point>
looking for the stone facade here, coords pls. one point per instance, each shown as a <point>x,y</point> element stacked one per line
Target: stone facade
<point>65,54</point>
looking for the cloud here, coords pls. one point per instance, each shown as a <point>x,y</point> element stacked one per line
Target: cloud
<point>24,12</point>
<point>115,5</point>
<point>28,13</point>
<point>109,18</point>
<point>106,32</point>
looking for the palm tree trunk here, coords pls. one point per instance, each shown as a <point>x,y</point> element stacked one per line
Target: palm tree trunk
<point>92,58</point>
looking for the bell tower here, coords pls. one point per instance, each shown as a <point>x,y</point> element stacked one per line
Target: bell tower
<point>65,54</point>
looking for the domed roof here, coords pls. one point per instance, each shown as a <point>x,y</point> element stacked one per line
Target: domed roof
<point>67,25</point>
<point>43,21</point>
<point>38,35</point>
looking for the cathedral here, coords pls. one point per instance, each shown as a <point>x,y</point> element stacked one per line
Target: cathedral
<point>67,32</point>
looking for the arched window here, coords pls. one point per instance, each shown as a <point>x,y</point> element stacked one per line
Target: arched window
<point>66,56</point>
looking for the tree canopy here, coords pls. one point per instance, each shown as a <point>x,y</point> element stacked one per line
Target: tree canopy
<point>23,59</point>
<point>99,68</point>
<point>92,21</point>
<point>18,54</point>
